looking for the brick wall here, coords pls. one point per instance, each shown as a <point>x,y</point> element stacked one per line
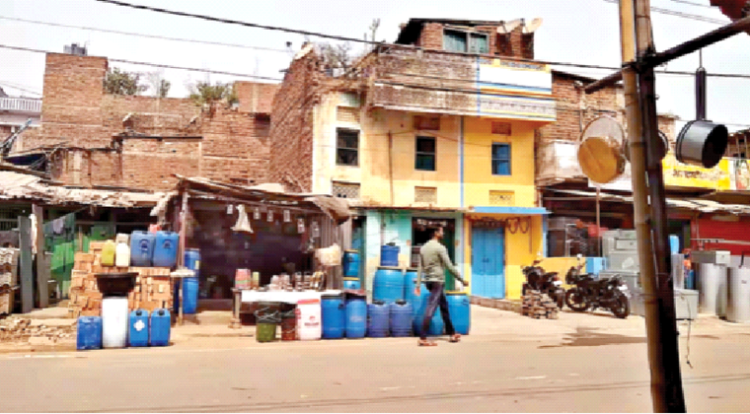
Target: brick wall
<point>256,97</point>
<point>292,124</point>
<point>516,44</point>
<point>77,114</point>
<point>575,109</point>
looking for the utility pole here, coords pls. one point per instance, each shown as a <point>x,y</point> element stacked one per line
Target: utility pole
<point>650,208</point>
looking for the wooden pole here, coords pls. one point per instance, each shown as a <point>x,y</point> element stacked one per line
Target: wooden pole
<point>636,41</point>
<point>42,267</point>
<point>670,398</point>
<point>181,251</point>
<point>25,266</point>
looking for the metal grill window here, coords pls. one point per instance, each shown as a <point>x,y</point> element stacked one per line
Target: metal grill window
<point>347,147</point>
<point>9,217</point>
<point>425,195</point>
<point>346,190</point>
<point>502,198</point>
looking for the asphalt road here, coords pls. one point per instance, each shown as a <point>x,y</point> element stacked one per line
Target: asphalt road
<point>582,372</point>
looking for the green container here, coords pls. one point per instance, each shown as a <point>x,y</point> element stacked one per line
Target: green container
<point>265,332</point>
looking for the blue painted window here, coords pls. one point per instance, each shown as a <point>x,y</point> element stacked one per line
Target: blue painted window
<point>500,159</point>
<point>425,155</point>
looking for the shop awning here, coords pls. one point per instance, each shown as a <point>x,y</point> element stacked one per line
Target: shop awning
<point>694,204</point>
<point>524,211</point>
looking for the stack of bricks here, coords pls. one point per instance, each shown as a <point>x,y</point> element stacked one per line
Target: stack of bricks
<point>539,305</point>
<point>153,289</point>
<point>153,286</point>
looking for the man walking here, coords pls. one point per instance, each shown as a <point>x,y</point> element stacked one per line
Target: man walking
<point>432,264</point>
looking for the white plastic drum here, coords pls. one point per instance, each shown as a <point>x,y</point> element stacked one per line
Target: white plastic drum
<point>115,322</point>
<point>309,323</point>
<point>712,284</point>
<point>738,295</point>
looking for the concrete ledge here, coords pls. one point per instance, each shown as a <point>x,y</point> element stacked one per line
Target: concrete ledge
<point>502,304</point>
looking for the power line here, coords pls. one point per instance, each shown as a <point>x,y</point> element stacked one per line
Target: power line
<point>157,65</point>
<point>144,35</point>
<point>238,22</point>
<point>676,13</point>
<point>22,89</point>
<point>692,3</point>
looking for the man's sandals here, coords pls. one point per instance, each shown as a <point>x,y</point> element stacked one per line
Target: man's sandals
<point>424,342</point>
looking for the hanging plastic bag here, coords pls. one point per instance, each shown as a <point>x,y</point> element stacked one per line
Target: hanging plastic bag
<point>243,223</point>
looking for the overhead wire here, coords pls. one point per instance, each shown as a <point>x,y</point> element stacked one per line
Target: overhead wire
<point>145,35</point>
<point>692,3</point>
<point>158,65</point>
<point>696,17</point>
<point>426,87</point>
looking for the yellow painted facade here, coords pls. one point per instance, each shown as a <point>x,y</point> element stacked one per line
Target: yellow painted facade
<point>387,176</point>
<point>478,178</point>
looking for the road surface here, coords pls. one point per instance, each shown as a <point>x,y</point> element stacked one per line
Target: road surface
<point>584,371</point>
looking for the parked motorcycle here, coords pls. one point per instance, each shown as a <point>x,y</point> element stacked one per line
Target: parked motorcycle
<point>545,282</point>
<point>589,293</point>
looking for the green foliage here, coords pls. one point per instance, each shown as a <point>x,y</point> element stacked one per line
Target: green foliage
<point>120,82</point>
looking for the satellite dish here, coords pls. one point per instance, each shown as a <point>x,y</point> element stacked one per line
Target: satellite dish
<point>600,150</point>
<point>531,28</point>
<point>506,28</point>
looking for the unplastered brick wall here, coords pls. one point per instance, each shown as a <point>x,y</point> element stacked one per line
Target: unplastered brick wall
<point>292,123</point>
<point>79,117</point>
<point>575,109</point>
<point>516,44</point>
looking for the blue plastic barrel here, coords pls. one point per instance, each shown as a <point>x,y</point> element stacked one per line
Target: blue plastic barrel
<point>410,283</point>
<point>165,249</point>
<point>352,283</point>
<point>351,263</point>
<point>189,295</point>
<point>595,265</point>
<point>138,329</point>
<point>389,255</point>
<point>674,244</point>
<point>89,333</point>
<point>436,323</point>
<point>402,318</point>
<point>141,248</point>
<point>378,319</point>
<point>161,327</point>
<point>334,316</point>
<point>459,307</point>
<point>193,260</point>
<point>356,317</point>
<point>388,285</point>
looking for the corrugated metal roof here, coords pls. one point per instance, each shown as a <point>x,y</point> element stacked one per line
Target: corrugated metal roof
<point>18,186</point>
<point>702,205</point>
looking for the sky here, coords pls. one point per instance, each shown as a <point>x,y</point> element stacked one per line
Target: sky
<point>577,31</point>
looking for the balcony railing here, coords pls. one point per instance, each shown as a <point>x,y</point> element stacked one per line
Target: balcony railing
<point>32,106</point>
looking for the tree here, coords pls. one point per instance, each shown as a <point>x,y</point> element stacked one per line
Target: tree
<point>159,86</point>
<point>207,96</point>
<point>120,82</point>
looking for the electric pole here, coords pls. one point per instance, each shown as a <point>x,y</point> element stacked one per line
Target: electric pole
<point>650,208</point>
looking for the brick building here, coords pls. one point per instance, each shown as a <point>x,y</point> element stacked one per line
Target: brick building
<point>436,129</point>
<point>91,138</point>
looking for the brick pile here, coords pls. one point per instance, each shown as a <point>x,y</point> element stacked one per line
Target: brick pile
<point>153,285</point>
<point>539,305</point>
<point>15,329</point>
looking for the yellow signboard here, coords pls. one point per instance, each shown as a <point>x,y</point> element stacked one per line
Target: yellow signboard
<point>677,174</point>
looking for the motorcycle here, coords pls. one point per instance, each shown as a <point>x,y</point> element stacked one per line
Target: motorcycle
<point>545,282</point>
<point>611,294</point>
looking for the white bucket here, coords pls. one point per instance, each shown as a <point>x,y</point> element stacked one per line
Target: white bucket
<point>309,323</point>
<point>115,322</point>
